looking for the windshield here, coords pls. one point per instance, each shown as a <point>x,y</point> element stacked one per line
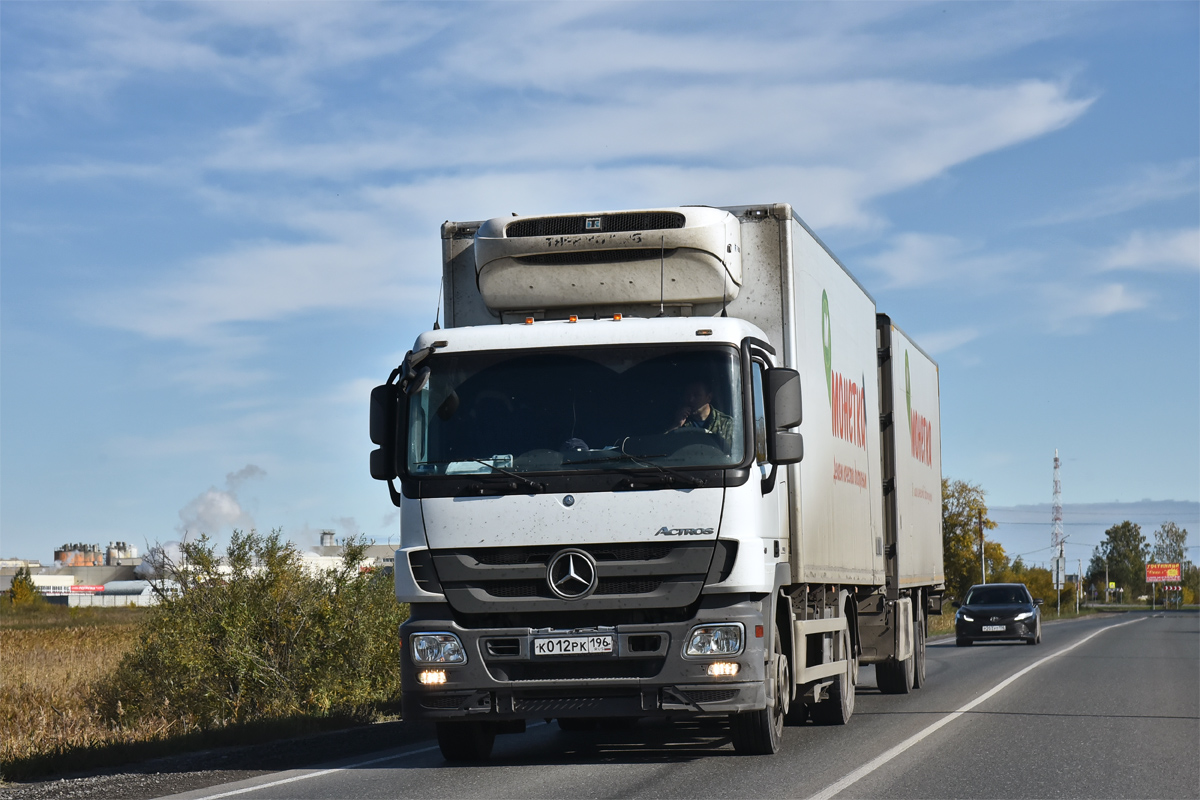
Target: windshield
<point>998,595</point>
<point>616,408</point>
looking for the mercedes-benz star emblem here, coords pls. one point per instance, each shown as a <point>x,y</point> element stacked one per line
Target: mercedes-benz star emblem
<point>571,574</point>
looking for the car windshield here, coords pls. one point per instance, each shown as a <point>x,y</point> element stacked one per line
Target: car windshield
<point>997,595</point>
<point>616,408</point>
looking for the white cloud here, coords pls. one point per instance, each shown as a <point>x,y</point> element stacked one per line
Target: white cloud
<point>1151,184</point>
<point>919,259</point>
<point>938,342</point>
<point>1071,305</point>
<point>1156,250</point>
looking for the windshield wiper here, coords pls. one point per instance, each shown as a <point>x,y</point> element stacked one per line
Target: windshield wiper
<point>670,474</point>
<point>537,487</point>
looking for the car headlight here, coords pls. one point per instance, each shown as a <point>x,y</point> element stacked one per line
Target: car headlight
<point>965,617</point>
<point>1023,615</point>
<point>437,648</point>
<point>724,639</point>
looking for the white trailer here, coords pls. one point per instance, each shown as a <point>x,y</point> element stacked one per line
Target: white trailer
<point>611,503</point>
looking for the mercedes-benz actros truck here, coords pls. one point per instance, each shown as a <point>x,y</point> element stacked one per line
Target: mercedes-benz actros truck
<point>662,462</point>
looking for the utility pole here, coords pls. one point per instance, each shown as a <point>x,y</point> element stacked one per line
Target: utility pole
<point>1056,532</point>
<point>982,559</point>
<point>1078,585</point>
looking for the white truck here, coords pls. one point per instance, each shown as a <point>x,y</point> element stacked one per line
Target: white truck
<point>611,505</point>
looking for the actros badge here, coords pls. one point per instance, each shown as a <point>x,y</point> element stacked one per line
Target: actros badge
<point>665,531</point>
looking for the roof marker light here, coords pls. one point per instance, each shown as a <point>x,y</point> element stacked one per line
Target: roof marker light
<point>616,317</point>
<point>704,332</point>
<point>529,320</point>
<point>572,318</point>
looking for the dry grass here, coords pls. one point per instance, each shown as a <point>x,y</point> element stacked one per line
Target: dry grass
<point>46,688</point>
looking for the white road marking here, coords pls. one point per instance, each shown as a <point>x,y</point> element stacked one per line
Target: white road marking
<point>866,769</point>
<point>319,773</point>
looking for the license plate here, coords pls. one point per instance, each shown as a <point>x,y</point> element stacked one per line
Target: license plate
<point>993,628</point>
<point>572,645</point>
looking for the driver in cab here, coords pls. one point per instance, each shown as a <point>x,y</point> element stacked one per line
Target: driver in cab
<point>697,412</point>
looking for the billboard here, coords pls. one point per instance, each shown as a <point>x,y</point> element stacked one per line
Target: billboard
<point>1163,573</point>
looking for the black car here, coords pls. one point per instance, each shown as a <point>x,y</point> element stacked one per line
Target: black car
<point>994,611</point>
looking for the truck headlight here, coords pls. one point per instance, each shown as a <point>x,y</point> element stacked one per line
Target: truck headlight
<point>724,639</point>
<point>437,648</point>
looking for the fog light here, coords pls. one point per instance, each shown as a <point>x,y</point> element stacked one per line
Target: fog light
<point>437,648</point>
<point>722,669</point>
<point>724,639</point>
<point>433,677</point>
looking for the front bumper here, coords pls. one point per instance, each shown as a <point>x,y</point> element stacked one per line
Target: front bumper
<point>978,630</point>
<point>646,675</point>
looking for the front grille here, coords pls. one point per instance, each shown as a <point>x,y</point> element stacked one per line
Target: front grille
<point>443,701</point>
<point>609,223</point>
<point>574,257</point>
<point>712,695</point>
<point>575,668</point>
<point>517,589</point>
<point>630,576</point>
<point>504,647</point>
<point>550,706</point>
<point>617,586</point>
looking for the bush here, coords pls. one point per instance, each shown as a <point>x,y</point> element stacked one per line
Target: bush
<point>260,637</point>
<point>23,591</point>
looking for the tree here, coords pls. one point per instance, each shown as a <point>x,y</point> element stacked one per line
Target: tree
<point>23,591</point>
<point>962,505</point>
<point>1124,551</point>
<point>1169,544</point>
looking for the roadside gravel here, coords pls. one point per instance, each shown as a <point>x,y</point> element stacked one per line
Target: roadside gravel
<point>181,773</point>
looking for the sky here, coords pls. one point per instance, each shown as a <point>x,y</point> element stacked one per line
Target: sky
<point>219,225</point>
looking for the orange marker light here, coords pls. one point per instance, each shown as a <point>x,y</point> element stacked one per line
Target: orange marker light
<point>572,318</point>
<point>758,631</point>
<point>529,320</point>
<point>616,317</point>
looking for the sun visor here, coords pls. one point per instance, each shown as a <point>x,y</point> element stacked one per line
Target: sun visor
<point>688,255</point>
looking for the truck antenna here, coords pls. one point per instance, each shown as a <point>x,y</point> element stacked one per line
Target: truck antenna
<point>438,314</point>
<point>724,295</point>
<point>662,269</point>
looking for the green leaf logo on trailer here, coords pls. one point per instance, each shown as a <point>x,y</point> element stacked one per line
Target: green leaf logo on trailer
<point>907,389</point>
<point>827,342</point>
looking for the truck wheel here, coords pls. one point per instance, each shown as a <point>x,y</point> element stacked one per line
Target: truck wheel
<point>838,706</point>
<point>758,733</point>
<point>919,649</point>
<point>466,741</point>
<point>896,677</point>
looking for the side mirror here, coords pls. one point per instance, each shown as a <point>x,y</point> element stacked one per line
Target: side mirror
<point>1037,601</point>
<point>385,401</point>
<point>781,390</point>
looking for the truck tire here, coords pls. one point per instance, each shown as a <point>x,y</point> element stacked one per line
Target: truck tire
<point>759,733</point>
<point>466,741</point>
<point>896,677</point>
<point>918,648</point>
<point>838,706</point>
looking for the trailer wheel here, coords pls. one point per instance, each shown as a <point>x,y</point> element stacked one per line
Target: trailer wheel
<point>918,648</point>
<point>838,706</point>
<point>896,677</point>
<point>759,733</point>
<point>466,741</point>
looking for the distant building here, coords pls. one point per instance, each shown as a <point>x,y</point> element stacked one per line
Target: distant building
<point>79,555</point>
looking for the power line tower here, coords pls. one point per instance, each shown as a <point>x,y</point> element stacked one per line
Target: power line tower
<point>1056,532</point>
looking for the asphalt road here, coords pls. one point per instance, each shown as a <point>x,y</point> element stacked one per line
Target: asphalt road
<point>1102,708</point>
